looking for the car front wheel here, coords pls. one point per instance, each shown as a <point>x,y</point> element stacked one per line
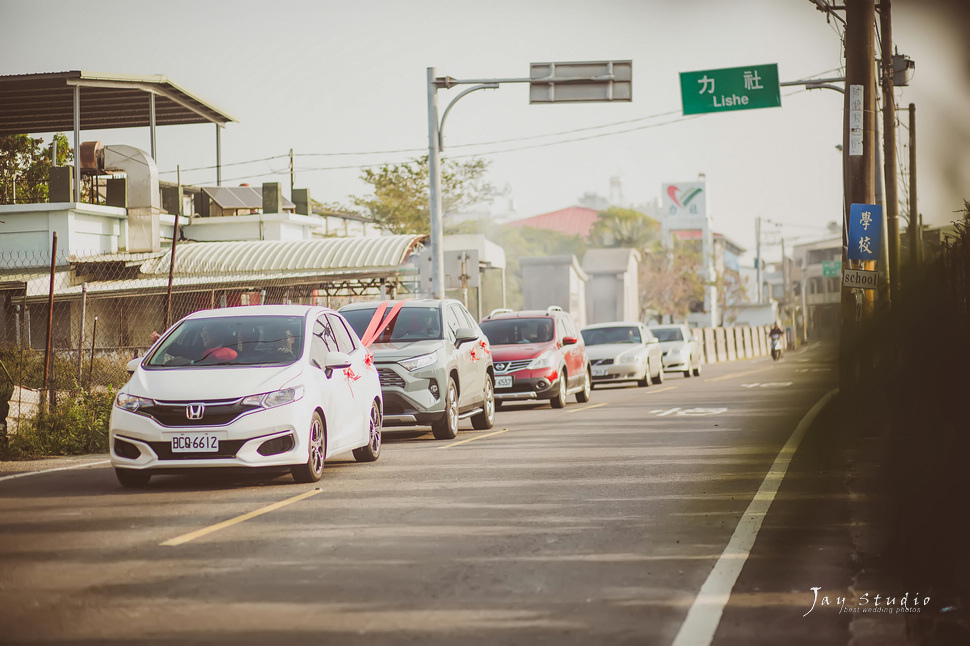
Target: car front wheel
<point>583,395</point>
<point>372,450</point>
<point>559,401</point>
<point>446,428</point>
<point>312,471</point>
<point>645,380</point>
<point>486,418</point>
<point>659,379</point>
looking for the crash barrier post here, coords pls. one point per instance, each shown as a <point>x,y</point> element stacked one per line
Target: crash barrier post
<point>749,350</point>
<point>731,343</point>
<point>720,343</point>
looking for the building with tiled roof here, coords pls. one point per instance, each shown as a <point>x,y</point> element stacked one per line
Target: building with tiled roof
<point>574,220</point>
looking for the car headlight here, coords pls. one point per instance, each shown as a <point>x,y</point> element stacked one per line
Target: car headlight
<point>131,403</point>
<point>628,359</point>
<point>545,360</point>
<point>420,361</point>
<point>275,398</point>
<point>676,352</point>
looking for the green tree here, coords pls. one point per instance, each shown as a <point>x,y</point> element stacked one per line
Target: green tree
<point>671,281</point>
<point>400,199</point>
<point>25,165</point>
<point>619,227</point>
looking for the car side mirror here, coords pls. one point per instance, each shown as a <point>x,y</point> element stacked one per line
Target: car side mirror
<point>133,365</point>
<point>464,335</point>
<point>336,361</point>
<point>653,339</point>
<point>569,340</point>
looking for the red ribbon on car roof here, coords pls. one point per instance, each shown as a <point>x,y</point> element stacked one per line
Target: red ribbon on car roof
<point>378,322</point>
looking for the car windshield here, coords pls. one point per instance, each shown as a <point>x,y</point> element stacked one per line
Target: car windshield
<point>511,331</point>
<point>604,335</point>
<point>668,334</point>
<point>420,323</point>
<point>231,340</point>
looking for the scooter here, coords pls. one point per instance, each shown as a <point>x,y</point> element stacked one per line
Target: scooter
<point>777,347</point>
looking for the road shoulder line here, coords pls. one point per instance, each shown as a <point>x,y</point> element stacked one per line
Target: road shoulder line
<point>37,473</point>
<point>705,613</point>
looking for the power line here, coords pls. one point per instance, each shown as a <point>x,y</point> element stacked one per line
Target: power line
<point>471,145</point>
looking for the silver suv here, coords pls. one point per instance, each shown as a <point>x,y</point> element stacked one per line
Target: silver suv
<point>434,363</point>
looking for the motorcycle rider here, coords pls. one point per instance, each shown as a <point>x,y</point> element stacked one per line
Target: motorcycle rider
<point>775,334</point>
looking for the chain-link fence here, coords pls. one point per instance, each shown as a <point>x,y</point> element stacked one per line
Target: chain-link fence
<point>93,313</point>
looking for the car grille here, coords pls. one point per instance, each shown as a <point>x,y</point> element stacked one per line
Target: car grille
<point>389,378</point>
<point>227,451</point>
<point>213,413</point>
<point>503,367</point>
<point>602,362</point>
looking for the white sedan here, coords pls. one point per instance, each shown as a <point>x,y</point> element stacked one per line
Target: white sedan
<point>681,350</point>
<point>623,352</point>
<point>266,386</point>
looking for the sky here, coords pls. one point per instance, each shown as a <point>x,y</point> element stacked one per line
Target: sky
<point>343,83</point>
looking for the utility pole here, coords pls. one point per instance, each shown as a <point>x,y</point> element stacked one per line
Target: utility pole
<point>757,256</point>
<point>889,144</point>
<point>915,226</point>
<point>858,147</point>
<point>292,178</point>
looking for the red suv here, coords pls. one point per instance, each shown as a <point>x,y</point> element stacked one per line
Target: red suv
<point>537,355</point>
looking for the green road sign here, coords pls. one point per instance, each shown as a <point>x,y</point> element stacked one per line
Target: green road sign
<point>732,88</point>
<point>831,269</point>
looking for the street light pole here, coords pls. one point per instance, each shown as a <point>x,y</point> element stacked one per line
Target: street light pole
<point>587,81</point>
<point>434,180</point>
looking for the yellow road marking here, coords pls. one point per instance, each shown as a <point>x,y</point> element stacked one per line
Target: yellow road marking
<point>472,439</point>
<point>659,390</point>
<point>576,410</point>
<point>191,536</point>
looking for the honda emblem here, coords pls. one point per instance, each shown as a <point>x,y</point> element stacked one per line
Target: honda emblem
<point>194,411</point>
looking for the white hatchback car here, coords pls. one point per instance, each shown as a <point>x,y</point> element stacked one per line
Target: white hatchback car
<point>278,386</point>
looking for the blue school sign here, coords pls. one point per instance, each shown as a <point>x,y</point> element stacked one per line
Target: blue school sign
<point>865,231</point>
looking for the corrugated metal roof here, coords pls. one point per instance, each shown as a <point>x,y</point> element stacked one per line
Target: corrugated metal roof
<point>38,103</point>
<point>286,256</point>
<point>240,197</point>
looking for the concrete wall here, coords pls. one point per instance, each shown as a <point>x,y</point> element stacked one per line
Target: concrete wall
<point>733,343</point>
<point>554,280</point>
<point>81,229</point>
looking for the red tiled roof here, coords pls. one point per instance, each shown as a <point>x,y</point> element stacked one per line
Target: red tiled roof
<point>575,220</point>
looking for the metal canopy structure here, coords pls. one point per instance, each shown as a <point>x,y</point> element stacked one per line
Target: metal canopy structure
<point>41,103</point>
<point>76,101</point>
<point>331,266</point>
<point>334,255</point>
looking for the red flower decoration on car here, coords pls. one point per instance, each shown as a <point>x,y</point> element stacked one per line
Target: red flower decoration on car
<point>484,346</point>
<point>351,377</point>
<point>369,360</point>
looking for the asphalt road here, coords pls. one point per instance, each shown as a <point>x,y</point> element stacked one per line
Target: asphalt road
<point>595,524</point>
